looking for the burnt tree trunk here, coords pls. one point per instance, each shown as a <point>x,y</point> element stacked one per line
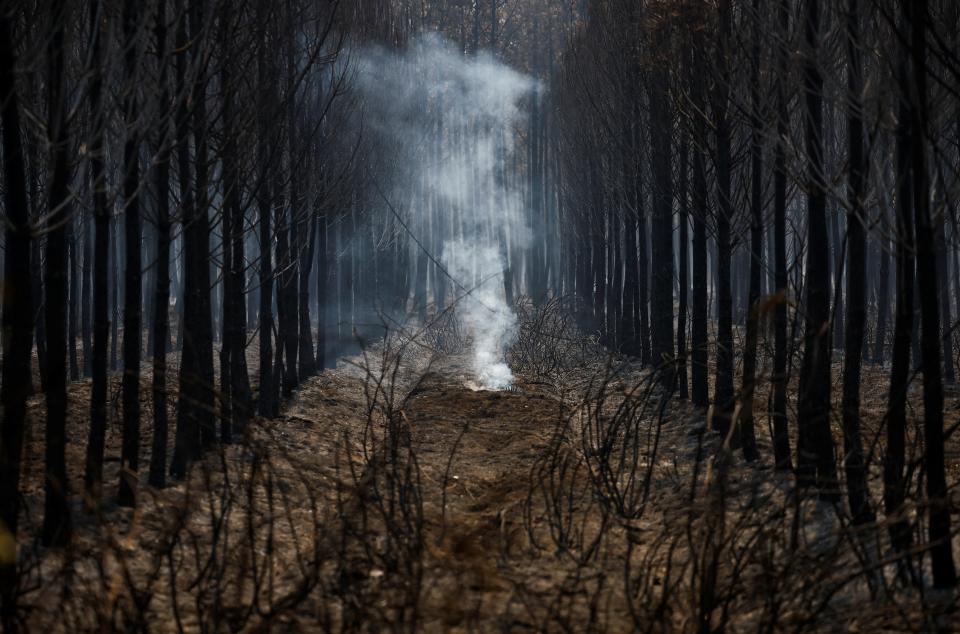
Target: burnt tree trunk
<point>684,265</point>
<point>661,223</point>
<point>93,473</point>
<point>699,338</point>
<point>267,404</point>
<point>723,396</point>
<point>778,413</point>
<point>815,462</point>
<point>56,516</point>
<point>938,496</point>
<point>894,485</point>
<point>17,317</point>
<point>307,362</point>
<point>748,437</point>
<point>132,332</point>
<point>161,302</point>
<point>883,301</point>
<point>857,492</point>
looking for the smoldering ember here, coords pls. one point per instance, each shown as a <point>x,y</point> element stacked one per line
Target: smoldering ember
<point>480,315</point>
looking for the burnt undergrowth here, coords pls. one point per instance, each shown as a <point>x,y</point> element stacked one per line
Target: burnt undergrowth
<point>388,497</point>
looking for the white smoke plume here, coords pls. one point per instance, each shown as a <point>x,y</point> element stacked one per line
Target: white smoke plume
<point>451,119</point>
<point>484,310</point>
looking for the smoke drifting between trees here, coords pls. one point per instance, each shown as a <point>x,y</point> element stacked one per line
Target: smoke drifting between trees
<point>213,201</point>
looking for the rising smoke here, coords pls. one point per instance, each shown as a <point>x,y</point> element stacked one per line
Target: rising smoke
<point>451,119</point>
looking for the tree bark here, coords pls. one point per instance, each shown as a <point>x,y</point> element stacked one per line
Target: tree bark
<point>93,473</point>
<point>938,496</point>
<point>778,412</point>
<point>748,438</point>
<point>661,222</point>
<point>56,518</point>
<point>816,463</point>
<point>132,309</point>
<point>883,302</point>
<point>161,302</point>
<point>699,338</point>
<point>684,264</point>
<point>17,317</point>
<point>857,492</point>
<point>894,486</point>
<point>723,396</point>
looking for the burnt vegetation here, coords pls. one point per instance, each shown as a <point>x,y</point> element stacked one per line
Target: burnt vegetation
<point>479,315</point>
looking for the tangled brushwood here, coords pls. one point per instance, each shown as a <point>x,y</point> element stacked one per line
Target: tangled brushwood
<point>388,498</point>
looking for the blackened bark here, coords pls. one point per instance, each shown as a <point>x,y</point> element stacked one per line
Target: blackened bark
<point>267,404</point>
<point>661,222</point>
<point>323,275</point>
<point>629,328</point>
<point>643,256</point>
<point>234,382</point>
<point>613,288</point>
<point>56,517</point>
<point>684,265</point>
<point>226,341</point>
<point>187,440</point>
<point>93,473</point>
<point>17,317</point>
<point>816,463</point>
<point>161,302</point>
<point>86,298</point>
<point>286,337</point>
<point>938,496</point>
<point>133,289</point>
<point>894,485</point>
<point>597,265</point>
<point>236,385</point>
<point>699,341</point>
<point>73,298</point>
<point>748,438</point>
<point>115,285</point>
<point>836,242</point>
<point>37,251</point>
<point>199,231</point>
<point>307,362</point>
<point>943,294</point>
<point>854,463</point>
<point>883,302</point>
<point>778,413</point>
<point>291,276</point>
<point>723,396</point>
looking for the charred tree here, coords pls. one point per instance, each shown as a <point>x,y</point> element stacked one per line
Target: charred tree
<point>938,496</point>
<point>748,438</point>
<point>778,413</point>
<point>161,302</point>
<point>854,462</point>
<point>17,317</point>
<point>683,269</point>
<point>699,338</point>
<point>56,517</point>
<point>93,473</point>
<point>267,403</point>
<point>719,100</point>
<point>815,461</point>
<point>883,301</point>
<point>661,222</point>
<point>132,309</point>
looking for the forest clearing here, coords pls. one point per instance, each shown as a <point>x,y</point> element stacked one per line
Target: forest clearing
<point>480,315</point>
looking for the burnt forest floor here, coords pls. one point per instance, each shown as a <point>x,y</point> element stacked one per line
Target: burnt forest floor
<point>389,495</point>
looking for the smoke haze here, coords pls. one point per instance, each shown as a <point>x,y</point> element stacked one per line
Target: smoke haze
<point>451,121</point>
